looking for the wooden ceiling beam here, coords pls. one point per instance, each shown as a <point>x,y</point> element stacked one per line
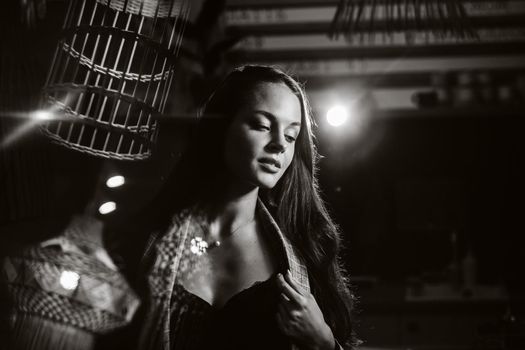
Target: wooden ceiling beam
<point>394,51</point>
<point>486,22</point>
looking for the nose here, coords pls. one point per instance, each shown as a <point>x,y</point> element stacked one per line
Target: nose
<point>278,143</point>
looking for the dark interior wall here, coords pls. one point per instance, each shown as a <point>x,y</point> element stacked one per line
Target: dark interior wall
<point>423,179</point>
<point>26,161</point>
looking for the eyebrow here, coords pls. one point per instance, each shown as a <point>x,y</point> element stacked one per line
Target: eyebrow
<point>273,117</point>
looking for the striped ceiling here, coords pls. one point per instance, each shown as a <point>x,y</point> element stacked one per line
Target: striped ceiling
<point>393,66</point>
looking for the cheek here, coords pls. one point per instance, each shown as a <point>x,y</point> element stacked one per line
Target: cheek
<point>245,147</point>
<point>239,150</point>
<point>288,158</point>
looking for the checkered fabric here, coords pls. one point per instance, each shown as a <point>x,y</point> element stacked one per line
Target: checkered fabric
<point>172,255</point>
<point>61,309</point>
<point>70,280</point>
<point>296,266</point>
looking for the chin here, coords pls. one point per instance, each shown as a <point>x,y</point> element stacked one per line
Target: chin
<point>267,186</point>
<point>266,182</point>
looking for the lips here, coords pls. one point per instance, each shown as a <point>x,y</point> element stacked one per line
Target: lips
<point>270,161</point>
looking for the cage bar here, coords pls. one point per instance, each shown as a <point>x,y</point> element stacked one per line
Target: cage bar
<point>111,73</point>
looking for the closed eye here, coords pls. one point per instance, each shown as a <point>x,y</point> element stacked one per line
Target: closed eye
<point>289,138</point>
<point>262,127</point>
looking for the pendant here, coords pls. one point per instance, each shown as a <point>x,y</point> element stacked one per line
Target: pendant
<point>198,246</point>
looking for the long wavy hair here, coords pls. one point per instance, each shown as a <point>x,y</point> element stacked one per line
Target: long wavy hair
<point>295,201</point>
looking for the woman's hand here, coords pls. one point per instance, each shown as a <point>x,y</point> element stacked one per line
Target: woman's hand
<point>300,318</point>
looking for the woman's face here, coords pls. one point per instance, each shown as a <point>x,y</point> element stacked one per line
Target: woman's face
<point>260,141</point>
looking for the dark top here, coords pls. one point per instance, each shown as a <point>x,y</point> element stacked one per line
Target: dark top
<point>246,321</point>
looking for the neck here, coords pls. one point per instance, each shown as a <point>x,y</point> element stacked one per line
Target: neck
<point>235,209</point>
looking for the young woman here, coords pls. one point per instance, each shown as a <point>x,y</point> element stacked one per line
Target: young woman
<point>249,258</point>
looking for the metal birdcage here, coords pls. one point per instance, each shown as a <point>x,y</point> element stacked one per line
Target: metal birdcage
<point>111,75</point>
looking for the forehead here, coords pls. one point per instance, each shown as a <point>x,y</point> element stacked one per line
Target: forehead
<point>276,99</point>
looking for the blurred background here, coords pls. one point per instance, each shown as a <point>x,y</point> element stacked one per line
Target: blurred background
<point>420,120</point>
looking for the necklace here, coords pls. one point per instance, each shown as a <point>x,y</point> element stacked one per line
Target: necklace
<point>200,246</point>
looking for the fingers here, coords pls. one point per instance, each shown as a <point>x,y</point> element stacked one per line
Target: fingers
<point>281,323</point>
<point>290,292</point>
<point>291,281</point>
<point>281,310</point>
<point>288,317</point>
<point>287,304</point>
<point>285,298</point>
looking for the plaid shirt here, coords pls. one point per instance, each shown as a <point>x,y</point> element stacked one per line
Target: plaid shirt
<point>170,250</point>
